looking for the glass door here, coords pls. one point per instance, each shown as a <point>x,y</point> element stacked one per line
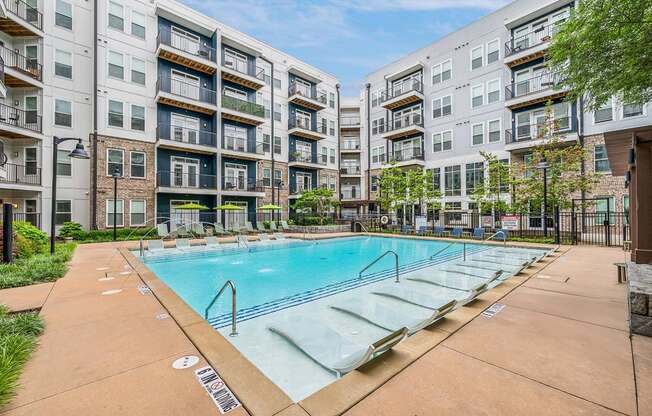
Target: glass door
<point>31,162</point>
<point>185,85</point>
<point>184,129</point>
<point>302,87</point>
<point>304,182</point>
<point>236,61</point>
<point>31,53</point>
<point>31,110</point>
<point>235,220</point>
<point>185,41</point>
<point>185,172</point>
<point>304,151</point>
<point>304,119</point>
<point>521,38</point>
<point>539,121</point>
<point>235,177</point>
<point>523,126</point>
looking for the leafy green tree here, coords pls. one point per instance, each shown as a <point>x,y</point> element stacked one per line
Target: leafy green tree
<point>604,49</point>
<point>318,201</point>
<point>489,196</point>
<point>407,187</point>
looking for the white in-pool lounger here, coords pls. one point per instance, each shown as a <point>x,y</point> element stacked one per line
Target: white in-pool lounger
<point>474,287</point>
<point>182,243</point>
<point>279,236</point>
<point>263,237</point>
<point>391,319</point>
<point>511,269</point>
<point>154,246</point>
<point>421,299</point>
<point>211,242</point>
<point>328,348</point>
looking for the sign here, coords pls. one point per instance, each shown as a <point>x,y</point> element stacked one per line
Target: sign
<point>420,221</point>
<point>217,389</point>
<point>487,221</point>
<point>509,222</point>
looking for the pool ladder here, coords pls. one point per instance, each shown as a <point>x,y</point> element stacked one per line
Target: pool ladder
<point>501,232</point>
<point>378,259</point>
<point>229,283</point>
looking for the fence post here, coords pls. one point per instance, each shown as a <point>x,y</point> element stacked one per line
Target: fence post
<point>557,229</point>
<point>7,233</point>
<point>573,226</point>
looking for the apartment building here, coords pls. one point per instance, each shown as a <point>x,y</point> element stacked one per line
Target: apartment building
<point>484,88</point>
<point>172,105</point>
<point>353,159</point>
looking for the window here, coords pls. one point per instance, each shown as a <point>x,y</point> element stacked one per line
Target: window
<point>64,164</point>
<point>476,57</point>
<point>378,126</point>
<point>528,168</point>
<point>474,176</point>
<point>632,110</point>
<point>277,145</point>
<point>267,143</point>
<point>116,65</point>
<point>31,161</point>
<point>375,180</point>
<point>442,141</point>
<point>137,117</point>
<point>493,91</point>
<point>63,211</point>
<point>116,16</point>
<point>115,113</point>
<point>331,127</point>
<point>137,71</point>
<point>63,64</point>
<point>137,209</point>
<point>138,25</point>
<point>493,128</point>
<point>436,179</point>
<point>331,99</point>
<point>604,113</point>
<point>477,132</point>
<point>378,154</point>
<point>442,106</point>
<point>476,96</point>
<point>441,72</point>
<point>119,213</point>
<point>278,177</point>
<point>375,98</point>
<point>115,159</point>
<point>277,111</point>
<point>493,49</point>
<point>332,156</point>
<point>62,113</point>
<point>137,165</point>
<point>267,177</point>
<point>452,181</point>
<point>601,161</point>
<point>63,14</point>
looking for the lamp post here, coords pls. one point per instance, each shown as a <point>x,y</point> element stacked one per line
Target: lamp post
<point>278,194</point>
<point>78,153</point>
<point>543,165</point>
<point>115,175</point>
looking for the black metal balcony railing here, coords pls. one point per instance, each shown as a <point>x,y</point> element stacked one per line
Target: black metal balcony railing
<point>242,66</point>
<point>186,90</point>
<point>525,132</point>
<point>299,188</point>
<point>2,70</point>
<point>308,92</point>
<point>351,193</point>
<point>238,144</point>
<point>236,183</point>
<point>350,170</point>
<point>531,39</point>
<point>407,120</point>
<point>305,124</point>
<point>11,116</point>
<point>185,44</point>
<point>307,158</point>
<point>19,174</point>
<point>411,85</point>
<point>33,218</point>
<point>185,180</point>
<point>243,106</point>
<point>542,82</point>
<point>25,12</point>
<point>351,145</point>
<point>349,121</point>
<point>18,62</point>
<point>404,155</point>
<point>185,135</point>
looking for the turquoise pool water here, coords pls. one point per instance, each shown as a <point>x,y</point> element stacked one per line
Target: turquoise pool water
<point>269,273</point>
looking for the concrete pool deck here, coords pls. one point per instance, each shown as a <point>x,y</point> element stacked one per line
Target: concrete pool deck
<point>560,345</point>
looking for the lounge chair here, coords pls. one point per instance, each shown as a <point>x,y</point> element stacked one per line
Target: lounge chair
<point>407,229</point>
<point>330,349</point>
<point>457,232</point>
<point>249,227</point>
<point>173,227</point>
<point>272,226</point>
<point>279,236</point>
<point>470,272</point>
<point>219,229</point>
<point>182,243</point>
<point>154,246</point>
<point>263,237</point>
<point>211,242</point>
<point>198,229</point>
<point>478,233</point>
<point>438,231</point>
<point>390,319</point>
<point>504,261</point>
<point>493,267</point>
<point>474,287</point>
<point>423,230</point>
<point>421,299</point>
<point>162,230</point>
<point>260,226</point>
<point>285,226</point>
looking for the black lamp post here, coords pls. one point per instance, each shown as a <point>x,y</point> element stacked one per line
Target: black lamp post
<point>278,194</point>
<point>543,165</point>
<point>78,153</point>
<point>115,175</point>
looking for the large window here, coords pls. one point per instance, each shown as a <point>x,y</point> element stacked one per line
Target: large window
<point>116,65</point>
<point>477,98</point>
<point>137,117</point>
<point>632,110</point>
<point>137,168</point>
<point>476,57</point>
<point>137,71</point>
<point>378,154</point>
<point>62,113</point>
<point>119,213</point>
<point>477,133</point>
<point>267,177</point>
<point>114,162</point>
<point>493,51</point>
<point>116,16</point>
<point>138,24</point>
<point>493,91</point>
<point>493,131</point>
<point>378,126</point>
<point>600,158</point>
<point>64,164</point>
<point>63,211</point>
<point>63,64</point>
<point>137,208</point>
<point>452,181</point>
<point>442,141</point>
<point>116,114</point>
<point>441,72</point>
<point>604,113</point>
<point>63,14</point>
<point>442,106</point>
<point>474,176</point>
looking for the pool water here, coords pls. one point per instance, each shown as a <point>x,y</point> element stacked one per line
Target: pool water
<point>269,273</point>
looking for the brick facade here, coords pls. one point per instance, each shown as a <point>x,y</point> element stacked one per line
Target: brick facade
<point>285,189</point>
<point>129,189</point>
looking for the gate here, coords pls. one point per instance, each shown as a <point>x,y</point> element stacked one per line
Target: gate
<point>594,228</point>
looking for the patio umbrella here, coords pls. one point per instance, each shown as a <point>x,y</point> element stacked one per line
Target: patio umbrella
<point>229,207</point>
<point>192,206</point>
<point>270,207</point>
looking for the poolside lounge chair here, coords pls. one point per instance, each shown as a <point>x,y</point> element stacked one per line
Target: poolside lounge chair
<point>173,227</point>
<point>285,226</point>
<point>478,233</point>
<point>407,229</point>
<point>464,284</point>
<point>423,230</point>
<point>279,236</point>
<point>438,231</point>
<point>211,242</point>
<point>182,243</point>
<point>457,232</point>
<point>249,227</point>
<point>509,269</point>
<point>505,261</point>
<point>162,230</point>
<point>263,237</point>
<point>260,226</point>
<point>154,246</point>
<point>219,229</point>
<point>272,226</point>
<point>198,229</point>
<point>421,299</point>
<point>390,319</point>
<point>330,349</point>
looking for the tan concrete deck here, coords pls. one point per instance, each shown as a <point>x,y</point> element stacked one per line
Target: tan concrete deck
<point>560,346</point>
<point>25,298</point>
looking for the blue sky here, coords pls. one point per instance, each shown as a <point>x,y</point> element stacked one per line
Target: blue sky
<point>347,38</point>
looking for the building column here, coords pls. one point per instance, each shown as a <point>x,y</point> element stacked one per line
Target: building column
<point>641,202</point>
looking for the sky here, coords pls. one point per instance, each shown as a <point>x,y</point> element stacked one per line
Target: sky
<point>347,38</point>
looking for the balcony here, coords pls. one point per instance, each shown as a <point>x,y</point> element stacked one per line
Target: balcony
<point>33,218</point>
<point>303,96</point>
<point>183,50</point>
<point>407,157</point>
<point>404,126</point>
<point>3,86</point>
<point>242,111</point>
<point>350,171</point>
<point>185,95</point>
<point>242,148</point>
<point>183,138</point>
<point>303,127</point>
<point>185,183</point>
<point>306,160</point>
<point>19,176</point>
<point>300,188</point>
<point>238,71</point>
<point>17,18</point>
<point>402,94</point>
<point>349,194</point>
<point>527,136</point>
<point>538,89</point>
<point>17,123</point>
<point>530,46</point>
<point>238,186</point>
<point>350,123</point>
<point>350,146</point>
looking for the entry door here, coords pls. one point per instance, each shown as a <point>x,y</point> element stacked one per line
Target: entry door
<point>236,177</point>
<point>31,110</point>
<point>185,41</point>
<point>185,129</point>
<point>522,85</point>
<point>235,220</point>
<point>31,161</point>
<point>31,212</point>
<point>304,182</point>
<point>303,88</point>
<point>185,173</point>
<point>185,85</point>
<point>31,53</point>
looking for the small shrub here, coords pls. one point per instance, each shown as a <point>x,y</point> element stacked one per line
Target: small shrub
<point>71,229</point>
<point>36,269</point>
<point>24,247</point>
<point>35,237</point>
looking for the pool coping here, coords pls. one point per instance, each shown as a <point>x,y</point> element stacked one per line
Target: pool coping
<point>260,396</point>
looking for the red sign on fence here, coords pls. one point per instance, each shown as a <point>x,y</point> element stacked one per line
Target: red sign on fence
<point>509,222</point>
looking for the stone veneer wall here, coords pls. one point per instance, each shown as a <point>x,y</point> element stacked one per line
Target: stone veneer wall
<point>640,298</point>
<point>128,188</point>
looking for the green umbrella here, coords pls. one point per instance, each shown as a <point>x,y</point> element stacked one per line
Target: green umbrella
<point>192,206</point>
<point>270,207</point>
<point>229,207</point>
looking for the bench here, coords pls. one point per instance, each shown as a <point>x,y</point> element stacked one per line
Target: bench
<point>622,272</point>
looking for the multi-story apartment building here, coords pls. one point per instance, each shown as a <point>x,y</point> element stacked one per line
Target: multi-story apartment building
<point>353,159</point>
<point>484,88</point>
<point>180,107</point>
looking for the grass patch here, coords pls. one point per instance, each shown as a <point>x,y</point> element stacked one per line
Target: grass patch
<point>18,335</point>
<point>38,268</point>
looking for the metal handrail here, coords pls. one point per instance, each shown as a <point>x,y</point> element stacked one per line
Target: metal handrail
<point>230,283</point>
<point>441,251</point>
<point>495,234</point>
<point>362,226</point>
<point>378,259</point>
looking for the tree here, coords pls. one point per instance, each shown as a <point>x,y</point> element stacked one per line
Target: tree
<point>488,196</point>
<point>604,50</point>
<point>318,201</point>
<point>409,187</point>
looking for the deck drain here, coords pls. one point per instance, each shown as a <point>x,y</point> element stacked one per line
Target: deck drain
<point>111,292</point>
<point>186,361</point>
<point>491,311</point>
<point>162,316</point>
<point>144,290</point>
<point>104,279</point>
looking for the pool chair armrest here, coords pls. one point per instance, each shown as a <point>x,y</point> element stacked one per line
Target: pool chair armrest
<point>374,350</point>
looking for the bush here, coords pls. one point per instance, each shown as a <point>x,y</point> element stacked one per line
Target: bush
<point>24,247</point>
<point>37,268</point>
<point>314,220</point>
<point>96,236</point>
<point>71,229</point>
<point>34,240</point>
